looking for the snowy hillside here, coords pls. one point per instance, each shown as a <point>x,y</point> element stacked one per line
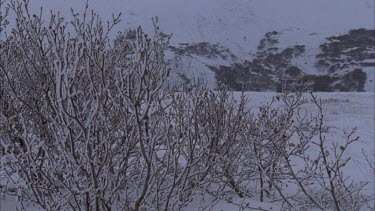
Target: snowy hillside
<point>269,42</point>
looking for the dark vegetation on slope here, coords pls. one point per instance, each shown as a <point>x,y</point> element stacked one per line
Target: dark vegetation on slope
<point>342,59</point>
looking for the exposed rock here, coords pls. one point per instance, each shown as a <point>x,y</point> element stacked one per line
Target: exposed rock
<point>272,66</point>
<point>342,59</point>
<point>203,49</point>
<point>347,52</point>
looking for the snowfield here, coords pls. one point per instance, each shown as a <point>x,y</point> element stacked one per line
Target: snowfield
<point>343,111</point>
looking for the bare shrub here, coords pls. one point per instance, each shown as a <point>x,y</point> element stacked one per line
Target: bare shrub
<point>89,124</point>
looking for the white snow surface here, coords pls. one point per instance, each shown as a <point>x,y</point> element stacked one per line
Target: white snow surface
<point>343,111</point>
<point>237,24</point>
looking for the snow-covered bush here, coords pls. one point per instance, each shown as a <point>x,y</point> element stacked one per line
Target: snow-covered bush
<point>3,14</point>
<point>89,124</point>
<point>80,114</point>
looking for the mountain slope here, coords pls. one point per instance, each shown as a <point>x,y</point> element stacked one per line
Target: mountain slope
<point>239,26</point>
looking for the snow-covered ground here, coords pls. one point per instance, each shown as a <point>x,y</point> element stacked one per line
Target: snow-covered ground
<point>344,111</point>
